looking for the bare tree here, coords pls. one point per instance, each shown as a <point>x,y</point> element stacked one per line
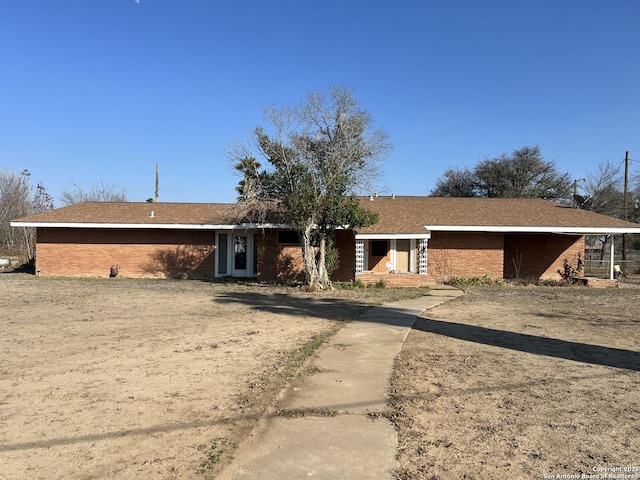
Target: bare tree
<point>604,195</point>
<point>14,198</point>
<point>18,199</point>
<point>98,192</point>
<point>604,189</point>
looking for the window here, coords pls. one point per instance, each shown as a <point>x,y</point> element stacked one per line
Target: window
<point>255,254</point>
<point>240,252</point>
<point>379,248</point>
<point>222,254</point>
<point>288,237</point>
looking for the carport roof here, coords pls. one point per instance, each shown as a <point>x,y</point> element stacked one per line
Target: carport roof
<point>418,215</point>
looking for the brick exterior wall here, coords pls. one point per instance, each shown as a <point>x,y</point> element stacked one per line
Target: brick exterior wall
<point>191,254</point>
<point>278,263</point>
<point>454,254</point>
<point>140,253</point>
<point>540,255</point>
<point>346,245</point>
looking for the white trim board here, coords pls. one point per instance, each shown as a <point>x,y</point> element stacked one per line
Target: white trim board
<point>524,229</point>
<point>161,226</point>
<point>396,236</point>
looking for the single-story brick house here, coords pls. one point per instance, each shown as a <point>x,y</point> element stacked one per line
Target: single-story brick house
<point>417,240</point>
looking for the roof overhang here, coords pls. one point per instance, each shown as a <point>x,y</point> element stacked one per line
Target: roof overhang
<point>149,226</point>
<point>397,236</point>
<point>529,229</point>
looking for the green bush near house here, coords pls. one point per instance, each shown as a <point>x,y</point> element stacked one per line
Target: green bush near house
<point>379,284</point>
<point>483,281</point>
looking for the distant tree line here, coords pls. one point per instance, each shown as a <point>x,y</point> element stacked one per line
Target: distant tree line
<point>526,174</point>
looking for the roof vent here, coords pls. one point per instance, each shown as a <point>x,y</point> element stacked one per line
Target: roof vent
<point>152,214</point>
<point>371,198</point>
<point>393,196</point>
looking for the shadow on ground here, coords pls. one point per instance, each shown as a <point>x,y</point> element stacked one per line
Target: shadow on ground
<point>298,306</point>
<point>551,347</point>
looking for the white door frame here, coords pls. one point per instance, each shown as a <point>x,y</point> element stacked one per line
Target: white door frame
<point>236,257</point>
<point>231,270</point>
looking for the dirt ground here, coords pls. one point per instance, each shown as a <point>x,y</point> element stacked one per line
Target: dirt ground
<point>118,378</point>
<point>526,383</point>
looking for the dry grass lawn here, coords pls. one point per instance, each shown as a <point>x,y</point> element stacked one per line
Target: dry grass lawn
<point>527,383</point>
<point>118,378</point>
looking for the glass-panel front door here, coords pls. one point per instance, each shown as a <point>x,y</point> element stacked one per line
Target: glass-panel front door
<point>240,255</point>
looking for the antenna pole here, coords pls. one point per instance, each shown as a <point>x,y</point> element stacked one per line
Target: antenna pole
<point>157,182</point>
<point>625,208</point>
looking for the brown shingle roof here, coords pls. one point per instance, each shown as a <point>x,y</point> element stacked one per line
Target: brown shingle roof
<point>130,213</point>
<point>397,215</point>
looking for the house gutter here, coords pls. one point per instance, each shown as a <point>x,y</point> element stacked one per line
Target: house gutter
<point>387,236</point>
<point>137,226</point>
<point>526,229</point>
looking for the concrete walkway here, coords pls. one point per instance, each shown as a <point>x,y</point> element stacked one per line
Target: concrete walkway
<point>339,435</point>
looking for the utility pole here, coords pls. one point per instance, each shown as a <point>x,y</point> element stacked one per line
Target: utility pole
<point>625,207</point>
<point>157,182</point>
<point>575,191</point>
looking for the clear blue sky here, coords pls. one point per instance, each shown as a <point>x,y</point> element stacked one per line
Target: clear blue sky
<point>101,90</point>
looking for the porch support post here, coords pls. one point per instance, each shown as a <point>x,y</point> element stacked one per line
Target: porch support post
<point>612,253</point>
<point>422,256</point>
<point>359,256</point>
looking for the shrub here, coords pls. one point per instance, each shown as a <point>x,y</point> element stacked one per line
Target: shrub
<point>483,281</point>
<point>379,284</point>
<point>349,285</point>
<point>569,273</point>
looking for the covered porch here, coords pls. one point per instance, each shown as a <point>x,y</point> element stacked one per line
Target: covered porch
<point>399,260</point>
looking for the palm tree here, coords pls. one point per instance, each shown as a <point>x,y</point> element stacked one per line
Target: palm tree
<point>247,187</point>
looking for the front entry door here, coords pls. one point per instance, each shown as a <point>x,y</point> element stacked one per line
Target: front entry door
<point>239,255</point>
<point>378,255</point>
